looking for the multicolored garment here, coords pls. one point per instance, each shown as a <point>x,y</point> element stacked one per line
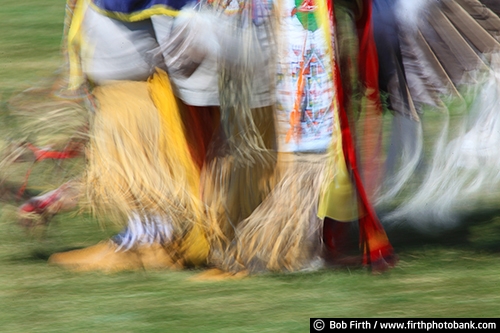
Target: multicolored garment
<point>317,147</point>
<point>305,89</point>
<point>132,10</point>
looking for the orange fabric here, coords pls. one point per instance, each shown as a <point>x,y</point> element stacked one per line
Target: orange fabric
<point>295,115</point>
<point>372,127</point>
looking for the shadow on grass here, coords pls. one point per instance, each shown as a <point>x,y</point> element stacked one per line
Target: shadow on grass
<point>475,231</point>
<point>38,255</point>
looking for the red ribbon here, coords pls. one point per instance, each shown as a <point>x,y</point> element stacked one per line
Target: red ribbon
<point>43,154</point>
<point>377,250</point>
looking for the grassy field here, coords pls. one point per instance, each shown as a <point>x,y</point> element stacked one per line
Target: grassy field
<point>454,274</point>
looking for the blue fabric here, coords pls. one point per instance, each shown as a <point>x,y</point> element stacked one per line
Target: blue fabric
<point>134,6</point>
<point>124,237</point>
<point>390,59</point>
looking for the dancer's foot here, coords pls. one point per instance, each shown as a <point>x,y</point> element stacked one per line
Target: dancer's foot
<point>155,256</point>
<point>338,250</point>
<point>103,256</point>
<point>107,257</point>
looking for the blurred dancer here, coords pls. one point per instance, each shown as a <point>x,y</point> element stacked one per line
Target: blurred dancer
<point>148,147</point>
<point>318,188</point>
<point>237,225</point>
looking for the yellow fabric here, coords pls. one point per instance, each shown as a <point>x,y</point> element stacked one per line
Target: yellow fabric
<point>139,15</point>
<point>338,200</point>
<point>173,142</point>
<point>75,40</point>
<point>194,246</point>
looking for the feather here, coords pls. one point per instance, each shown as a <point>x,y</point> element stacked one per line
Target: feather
<point>449,167</point>
<point>493,5</point>
<point>483,15</point>
<point>470,28</point>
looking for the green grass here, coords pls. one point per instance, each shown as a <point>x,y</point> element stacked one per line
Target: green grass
<point>30,37</point>
<point>453,274</point>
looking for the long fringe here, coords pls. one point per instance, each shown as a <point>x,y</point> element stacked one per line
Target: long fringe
<point>244,50</point>
<point>283,233</point>
<point>139,160</point>
<point>232,190</point>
